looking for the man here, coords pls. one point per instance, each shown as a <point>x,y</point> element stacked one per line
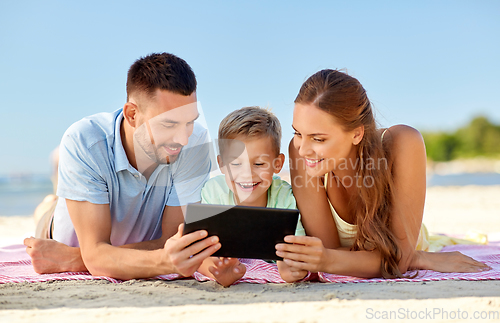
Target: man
<point>125,178</point>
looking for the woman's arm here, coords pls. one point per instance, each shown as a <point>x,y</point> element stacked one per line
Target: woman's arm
<point>308,253</point>
<point>313,254</point>
<point>320,250</point>
<point>409,163</point>
<point>409,175</point>
<point>312,202</point>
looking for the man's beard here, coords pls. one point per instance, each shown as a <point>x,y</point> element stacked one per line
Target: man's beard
<point>148,154</point>
<point>166,159</point>
<point>145,145</point>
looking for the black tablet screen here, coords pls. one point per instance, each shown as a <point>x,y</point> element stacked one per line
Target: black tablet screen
<point>243,231</point>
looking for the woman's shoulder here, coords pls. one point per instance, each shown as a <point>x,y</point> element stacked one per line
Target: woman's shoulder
<point>403,137</point>
<point>406,147</point>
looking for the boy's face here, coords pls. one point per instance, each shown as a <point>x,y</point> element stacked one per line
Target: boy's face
<point>249,174</point>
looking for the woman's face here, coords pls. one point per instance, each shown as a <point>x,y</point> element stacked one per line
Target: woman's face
<point>321,141</point>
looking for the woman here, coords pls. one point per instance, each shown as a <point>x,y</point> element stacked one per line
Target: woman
<point>360,190</point>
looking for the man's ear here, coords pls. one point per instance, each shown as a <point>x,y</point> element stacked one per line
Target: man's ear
<point>278,163</point>
<point>359,132</point>
<point>130,114</point>
<point>221,165</point>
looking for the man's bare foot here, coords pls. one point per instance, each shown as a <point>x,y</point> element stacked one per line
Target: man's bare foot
<point>49,256</point>
<point>227,271</point>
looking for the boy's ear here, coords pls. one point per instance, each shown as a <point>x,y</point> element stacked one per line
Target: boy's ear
<point>278,163</point>
<point>221,165</point>
<point>359,132</point>
<point>130,114</point>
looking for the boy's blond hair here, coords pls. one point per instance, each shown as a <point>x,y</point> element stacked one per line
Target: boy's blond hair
<point>250,122</point>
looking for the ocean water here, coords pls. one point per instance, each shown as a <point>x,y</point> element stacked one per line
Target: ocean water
<point>21,195</point>
<point>482,179</point>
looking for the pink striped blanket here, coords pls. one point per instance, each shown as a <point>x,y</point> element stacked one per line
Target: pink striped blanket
<point>15,267</point>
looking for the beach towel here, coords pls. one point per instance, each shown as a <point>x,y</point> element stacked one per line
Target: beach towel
<point>15,267</point>
<point>489,254</point>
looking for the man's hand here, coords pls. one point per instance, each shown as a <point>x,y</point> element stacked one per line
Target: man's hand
<point>184,254</point>
<point>49,256</point>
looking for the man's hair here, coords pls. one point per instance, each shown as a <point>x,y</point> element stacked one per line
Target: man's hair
<point>162,71</point>
<point>250,122</point>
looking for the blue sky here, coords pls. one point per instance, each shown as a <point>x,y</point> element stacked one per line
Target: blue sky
<point>429,64</point>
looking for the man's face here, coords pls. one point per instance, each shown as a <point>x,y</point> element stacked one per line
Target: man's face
<point>165,124</point>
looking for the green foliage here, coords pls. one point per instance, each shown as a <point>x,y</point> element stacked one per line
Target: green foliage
<point>479,138</point>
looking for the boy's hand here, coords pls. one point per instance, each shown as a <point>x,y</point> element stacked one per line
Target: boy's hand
<point>297,274</point>
<point>290,274</point>
<point>184,254</point>
<point>226,271</point>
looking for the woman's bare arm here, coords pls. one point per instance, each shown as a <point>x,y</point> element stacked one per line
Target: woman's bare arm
<point>313,254</point>
<point>409,174</point>
<point>312,202</point>
<point>409,161</point>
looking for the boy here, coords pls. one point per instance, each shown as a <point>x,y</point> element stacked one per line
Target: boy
<point>249,148</point>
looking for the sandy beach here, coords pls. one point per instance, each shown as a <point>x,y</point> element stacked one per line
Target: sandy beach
<point>451,210</point>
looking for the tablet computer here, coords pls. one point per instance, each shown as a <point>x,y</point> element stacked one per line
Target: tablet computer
<point>243,231</point>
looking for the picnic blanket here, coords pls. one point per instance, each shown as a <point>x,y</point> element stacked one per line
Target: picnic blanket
<point>15,267</point>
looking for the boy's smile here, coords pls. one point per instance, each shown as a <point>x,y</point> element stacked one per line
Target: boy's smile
<point>248,187</point>
<point>249,174</point>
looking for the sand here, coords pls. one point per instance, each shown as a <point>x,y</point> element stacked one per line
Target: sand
<point>453,210</point>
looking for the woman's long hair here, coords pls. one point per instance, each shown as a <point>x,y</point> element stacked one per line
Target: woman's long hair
<point>343,97</point>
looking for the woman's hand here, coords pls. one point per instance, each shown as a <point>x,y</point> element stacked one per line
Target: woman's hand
<point>447,262</point>
<point>304,253</point>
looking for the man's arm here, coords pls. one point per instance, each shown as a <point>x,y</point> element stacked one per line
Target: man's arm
<point>92,224</point>
<point>172,217</point>
<point>49,256</point>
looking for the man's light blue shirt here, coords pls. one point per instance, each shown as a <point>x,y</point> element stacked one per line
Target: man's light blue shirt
<point>94,167</point>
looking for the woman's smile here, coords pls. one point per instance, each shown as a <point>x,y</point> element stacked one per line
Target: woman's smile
<point>313,162</point>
